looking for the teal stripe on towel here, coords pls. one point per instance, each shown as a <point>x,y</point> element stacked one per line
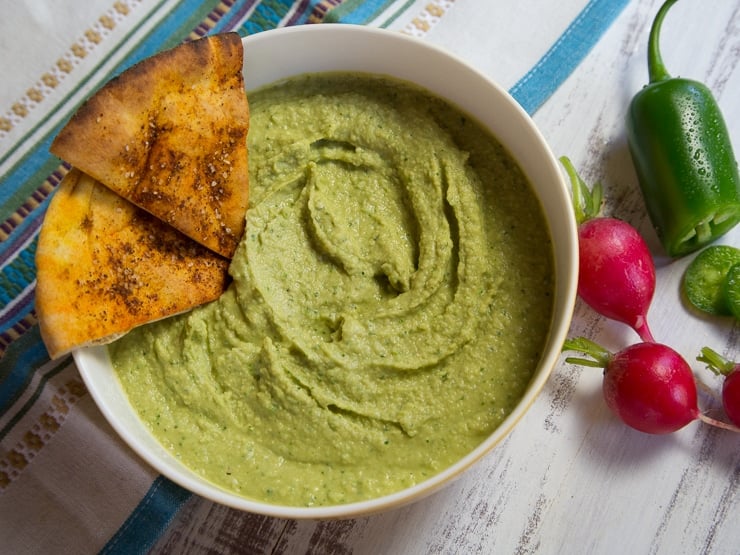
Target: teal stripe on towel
<point>150,518</point>
<point>532,90</point>
<point>267,15</point>
<point>17,275</point>
<point>357,11</point>
<point>18,367</point>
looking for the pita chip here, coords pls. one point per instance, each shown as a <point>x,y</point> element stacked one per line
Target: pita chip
<point>169,135</point>
<point>105,266</point>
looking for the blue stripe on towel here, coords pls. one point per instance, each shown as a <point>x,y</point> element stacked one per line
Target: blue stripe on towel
<point>357,11</point>
<point>236,11</point>
<point>26,357</point>
<point>267,15</point>
<point>532,90</point>
<point>150,518</point>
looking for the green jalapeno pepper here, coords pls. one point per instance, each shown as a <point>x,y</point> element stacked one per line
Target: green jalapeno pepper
<point>683,156</point>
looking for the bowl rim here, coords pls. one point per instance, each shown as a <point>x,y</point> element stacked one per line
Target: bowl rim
<point>91,361</point>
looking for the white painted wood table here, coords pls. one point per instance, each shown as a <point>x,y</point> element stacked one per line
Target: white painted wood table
<point>570,478</point>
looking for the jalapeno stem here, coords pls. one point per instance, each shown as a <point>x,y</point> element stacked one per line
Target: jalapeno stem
<point>656,68</point>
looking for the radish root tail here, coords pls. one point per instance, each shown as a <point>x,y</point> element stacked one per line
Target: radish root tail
<point>718,423</point>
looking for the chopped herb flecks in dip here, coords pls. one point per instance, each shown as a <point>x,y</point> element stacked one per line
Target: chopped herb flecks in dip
<point>390,301</point>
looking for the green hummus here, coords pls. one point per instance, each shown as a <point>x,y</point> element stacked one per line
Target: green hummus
<point>390,300</point>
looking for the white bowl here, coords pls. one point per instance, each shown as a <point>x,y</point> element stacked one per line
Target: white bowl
<point>273,55</point>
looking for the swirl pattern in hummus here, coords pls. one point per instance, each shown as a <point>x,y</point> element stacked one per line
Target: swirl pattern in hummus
<point>391,297</point>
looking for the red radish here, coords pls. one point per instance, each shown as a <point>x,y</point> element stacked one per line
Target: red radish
<point>648,385</point>
<point>616,270</point>
<point>731,386</point>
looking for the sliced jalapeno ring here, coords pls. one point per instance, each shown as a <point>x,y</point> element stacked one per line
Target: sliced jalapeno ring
<point>704,279</point>
<point>732,290</point>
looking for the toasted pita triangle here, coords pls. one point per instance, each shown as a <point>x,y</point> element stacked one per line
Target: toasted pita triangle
<point>169,134</point>
<point>105,266</point>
